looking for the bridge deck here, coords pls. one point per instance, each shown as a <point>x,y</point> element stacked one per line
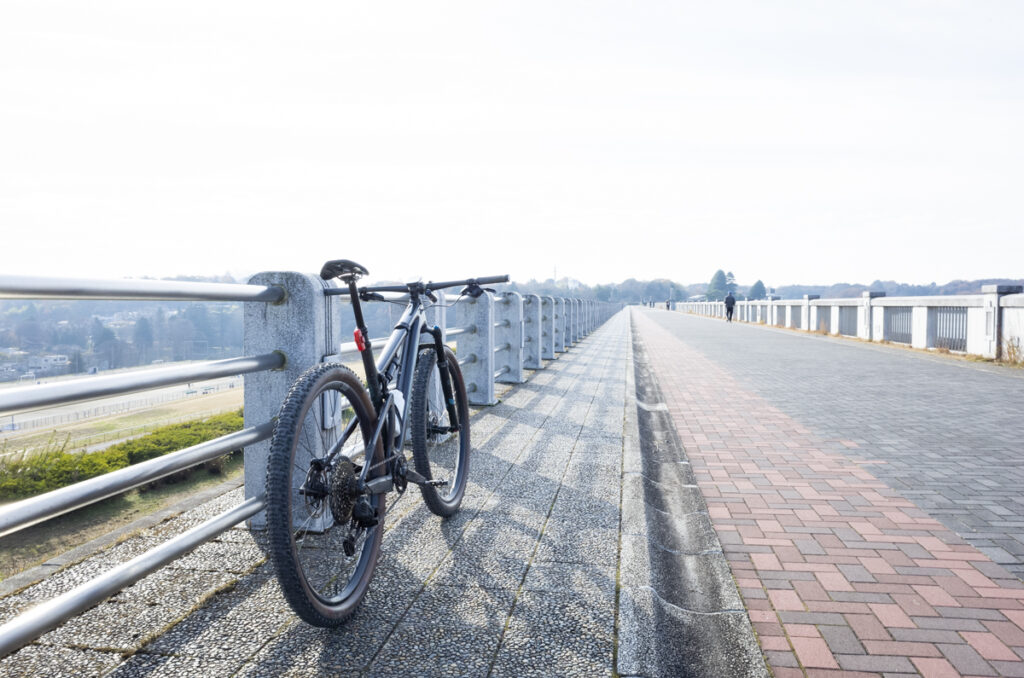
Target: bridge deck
<point>521,580</point>
<point>869,499</point>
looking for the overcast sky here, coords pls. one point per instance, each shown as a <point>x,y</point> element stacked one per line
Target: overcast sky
<point>792,142</point>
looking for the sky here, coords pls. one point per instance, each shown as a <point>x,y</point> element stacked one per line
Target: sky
<point>795,142</point>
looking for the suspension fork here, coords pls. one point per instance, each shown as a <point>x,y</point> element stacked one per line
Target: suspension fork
<point>446,380</point>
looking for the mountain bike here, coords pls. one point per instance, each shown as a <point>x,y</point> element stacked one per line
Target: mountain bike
<point>338,449</point>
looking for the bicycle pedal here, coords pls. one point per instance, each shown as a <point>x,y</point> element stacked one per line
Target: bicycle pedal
<point>437,483</point>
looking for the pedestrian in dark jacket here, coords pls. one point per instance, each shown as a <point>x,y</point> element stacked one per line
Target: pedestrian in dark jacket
<point>730,303</point>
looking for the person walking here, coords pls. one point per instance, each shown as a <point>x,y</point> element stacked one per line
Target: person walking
<point>730,303</point>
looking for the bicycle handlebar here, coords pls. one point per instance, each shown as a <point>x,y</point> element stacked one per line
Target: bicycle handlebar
<point>404,289</point>
<point>487,280</point>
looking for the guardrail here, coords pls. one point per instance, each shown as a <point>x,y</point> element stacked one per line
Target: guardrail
<point>290,325</point>
<point>990,324</point>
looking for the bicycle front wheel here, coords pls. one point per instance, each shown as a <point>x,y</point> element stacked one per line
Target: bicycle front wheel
<point>324,536</point>
<point>438,454</point>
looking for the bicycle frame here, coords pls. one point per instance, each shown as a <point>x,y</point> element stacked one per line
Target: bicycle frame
<point>397,361</point>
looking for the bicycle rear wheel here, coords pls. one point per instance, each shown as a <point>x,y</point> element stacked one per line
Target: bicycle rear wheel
<point>437,454</point>
<point>323,553</point>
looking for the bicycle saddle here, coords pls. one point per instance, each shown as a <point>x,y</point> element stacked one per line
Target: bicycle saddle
<point>343,269</point>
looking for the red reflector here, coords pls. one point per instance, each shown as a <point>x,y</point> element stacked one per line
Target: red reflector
<point>360,341</point>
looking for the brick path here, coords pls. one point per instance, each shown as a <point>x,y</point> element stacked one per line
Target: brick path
<point>841,574</point>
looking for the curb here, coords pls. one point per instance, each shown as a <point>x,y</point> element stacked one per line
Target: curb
<point>680,613</point>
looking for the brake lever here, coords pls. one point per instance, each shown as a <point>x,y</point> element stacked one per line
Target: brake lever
<point>431,296</point>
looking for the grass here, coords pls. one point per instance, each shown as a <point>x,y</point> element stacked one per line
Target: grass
<point>121,426</point>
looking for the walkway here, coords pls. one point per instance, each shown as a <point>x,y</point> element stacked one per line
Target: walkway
<point>522,582</point>
<point>838,476</point>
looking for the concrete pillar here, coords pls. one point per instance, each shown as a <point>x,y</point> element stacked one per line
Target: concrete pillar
<point>531,332</point>
<point>305,327</point>
<point>477,347</point>
<point>547,332</point>
<point>508,338</point>
<point>865,322</point>
<point>878,322</point>
<point>559,332</point>
<point>573,321</point>
<point>992,346</point>
<point>922,333</point>
<point>806,319</point>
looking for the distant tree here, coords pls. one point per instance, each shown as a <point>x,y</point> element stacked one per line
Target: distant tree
<point>101,335</point>
<point>757,291</point>
<point>730,283</point>
<point>657,290</point>
<point>717,287</point>
<point>142,338</point>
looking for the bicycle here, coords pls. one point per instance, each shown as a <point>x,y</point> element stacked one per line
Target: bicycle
<point>326,486</point>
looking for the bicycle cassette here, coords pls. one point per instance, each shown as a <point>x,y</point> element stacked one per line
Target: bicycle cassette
<point>344,491</point>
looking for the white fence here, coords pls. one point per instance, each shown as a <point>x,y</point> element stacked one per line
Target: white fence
<point>990,324</point>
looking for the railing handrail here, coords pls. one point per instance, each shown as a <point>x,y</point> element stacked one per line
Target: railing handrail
<point>28,512</point>
<point>32,623</point>
<point>32,397</point>
<point>578,319</point>
<point>33,287</point>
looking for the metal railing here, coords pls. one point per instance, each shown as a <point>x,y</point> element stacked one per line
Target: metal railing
<point>899,324</point>
<point>983,324</point>
<point>289,326</point>
<point>22,514</point>
<point>848,321</point>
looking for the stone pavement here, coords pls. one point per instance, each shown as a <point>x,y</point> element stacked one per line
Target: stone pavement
<point>521,582</point>
<point>860,493</point>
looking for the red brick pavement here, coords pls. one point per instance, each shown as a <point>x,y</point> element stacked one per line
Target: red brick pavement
<point>840,574</point>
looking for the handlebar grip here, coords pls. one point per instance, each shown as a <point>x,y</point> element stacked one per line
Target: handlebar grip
<point>492,279</point>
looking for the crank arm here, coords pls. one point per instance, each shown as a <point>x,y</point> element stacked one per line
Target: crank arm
<point>414,477</point>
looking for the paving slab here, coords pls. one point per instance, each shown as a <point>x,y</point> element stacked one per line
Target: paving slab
<point>522,581</point>
<point>827,468</point>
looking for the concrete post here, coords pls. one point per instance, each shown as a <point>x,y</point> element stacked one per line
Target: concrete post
<point>509,339</point>
<point>477,348</point>
<point>531,332</point>
<point>806,319</point>
<point>547,333</point>
<point>305,327</point>
<point>922,333</point>
<point>559,331</point>
<point>864,317</point>
<point>993,344</point>
<point>574,321</point>
<point>878,322</point>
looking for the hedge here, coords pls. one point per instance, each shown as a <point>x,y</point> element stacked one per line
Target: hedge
<point>57,467</point>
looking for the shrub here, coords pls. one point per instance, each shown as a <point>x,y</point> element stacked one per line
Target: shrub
<point>56,467</point>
